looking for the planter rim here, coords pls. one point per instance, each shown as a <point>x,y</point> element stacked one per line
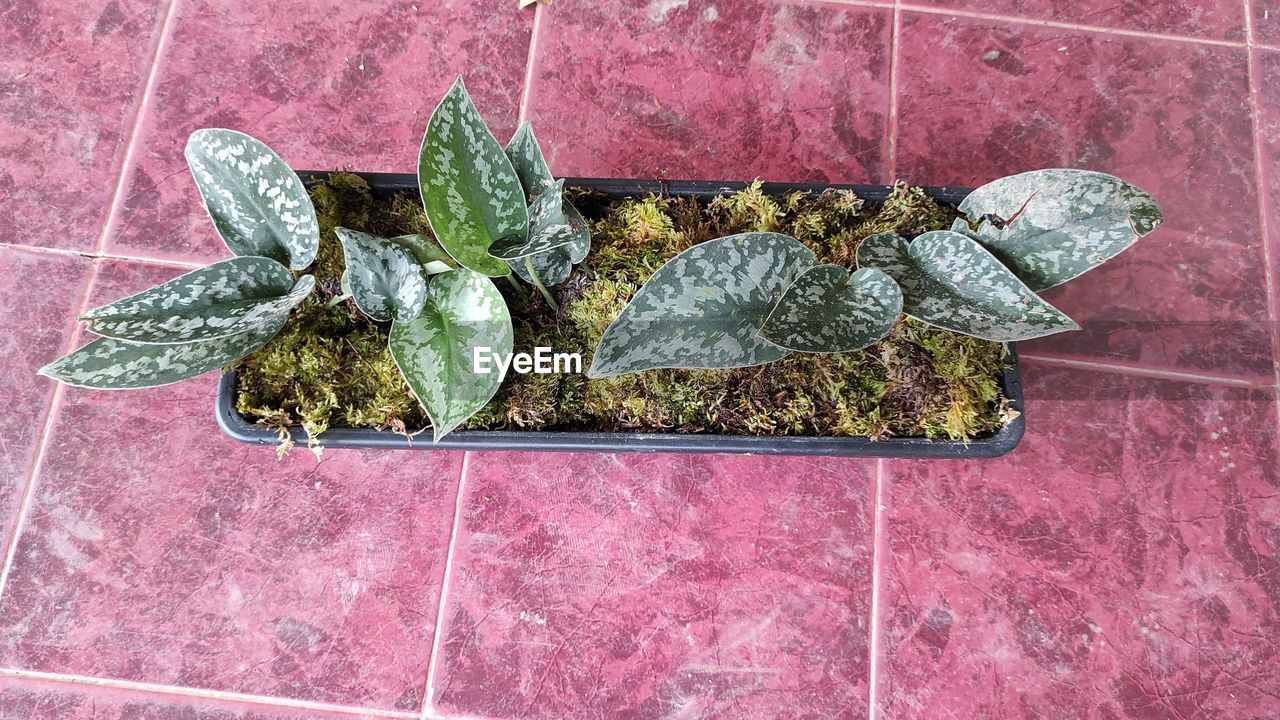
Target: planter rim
<point>995,444</point>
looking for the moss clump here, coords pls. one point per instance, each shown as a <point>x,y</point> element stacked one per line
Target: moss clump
<point>330,366</point>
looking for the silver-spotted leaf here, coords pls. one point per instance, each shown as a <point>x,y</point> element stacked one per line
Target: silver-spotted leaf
<point>110,364</point>
<point>704,308</point>
<point>226,298</point>
<point>387,282</point>
<point>552,266</point>
<point>1059,223</point>
<point>435,351</point>
<point>471,193</point>
<point>549,228</point>
<point>528,161</point>
<point>829,310</point>
<point>258,205</point>
<point>950,281</point>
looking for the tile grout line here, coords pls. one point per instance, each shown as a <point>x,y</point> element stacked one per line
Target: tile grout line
<point>144,105</point>
<point>895,39</point>
<point>877,571</point>
<point>1016,20</point>
<point>176,690</point>
<point>61,252</point>
<point>1153,373</point>
<point>55,404</point>
<point>42,439</point>
<point>523,114</point>
<point>1264,197</point>
<point>428,694</point>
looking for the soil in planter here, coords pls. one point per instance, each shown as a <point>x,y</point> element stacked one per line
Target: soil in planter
<point>330,366</point>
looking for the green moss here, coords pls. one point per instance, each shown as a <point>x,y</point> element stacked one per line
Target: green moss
<point>330,366</point>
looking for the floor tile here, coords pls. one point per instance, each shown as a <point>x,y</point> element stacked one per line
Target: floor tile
<point>978,101</point>
<point>1268,69</point>
<point>631,586</point>
<point>158,550</point>
<point>348,85</point>
<point>40,699</point>
<point>70,79</point>
<point>1266,21</point>
<point>40,294</point>
<point>1214,19</point>
<point>713,90</point>
<point>1124,561</point>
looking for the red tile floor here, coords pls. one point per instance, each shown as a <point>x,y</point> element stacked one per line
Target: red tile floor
<point>1124,562</point>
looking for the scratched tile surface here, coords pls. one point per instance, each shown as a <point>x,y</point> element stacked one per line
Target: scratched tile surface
<point>71,78</point>
<point>1123,562</point>
<point>347,85</point>
<point>591,586</point>
<point>159,550</point>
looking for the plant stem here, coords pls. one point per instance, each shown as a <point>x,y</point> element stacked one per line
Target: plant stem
<point>516,285</point>
<point>537,282</point>
<point>336,301</point>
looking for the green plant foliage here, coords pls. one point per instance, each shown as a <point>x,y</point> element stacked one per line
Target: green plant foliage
<point>705,307</point>
<point>950,281</point>
<point>226,298</point>
<point>257,204</point>
<point>385,279</point>
<point>549,228</point>
<point>1049,226</point>
<point>435,351</point>
<point>552,266</point>
<point>828,310</point>
<point>470,190</point>
<point>430,255</point>
<point>530,165</point>
<point>331,367</point>
<point>109,364</point>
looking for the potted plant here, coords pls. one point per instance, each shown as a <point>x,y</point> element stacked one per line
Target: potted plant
<point>714,317</point>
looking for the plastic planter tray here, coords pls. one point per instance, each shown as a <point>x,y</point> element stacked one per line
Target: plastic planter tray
<point>993,445</point>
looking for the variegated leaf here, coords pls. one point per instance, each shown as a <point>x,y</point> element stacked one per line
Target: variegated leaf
<point>109,364</point>
<point>434,351</point>
<point>1060,223</point>
<point>552,266</point>
<point>387,282</point>
<point>528,161</point>
<point>471,193</point>
<point>226,298</point>
<point>829,310</point>
<point>549,228</point>
<point>950,281</point>
<point>258,204</point>
<point>704,308</point>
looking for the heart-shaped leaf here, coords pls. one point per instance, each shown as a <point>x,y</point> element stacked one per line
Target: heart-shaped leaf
<point>1058,224</point>
<point>435,351</point>
<point>549,228</point>
<point>530,164</point>
<point>258,204</point>
<point>471,193</point>
<point>109,364</point>
<point>226,298</point>
<point>554,266</point>
<point>387,282</point>
<point>829,310</point>
<point>704,308</point>
<point>950,281</point>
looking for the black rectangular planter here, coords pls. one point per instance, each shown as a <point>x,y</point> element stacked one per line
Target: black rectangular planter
<point>993,445</point>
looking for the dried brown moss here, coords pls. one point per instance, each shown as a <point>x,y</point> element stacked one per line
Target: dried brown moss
<point>330,366</point>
